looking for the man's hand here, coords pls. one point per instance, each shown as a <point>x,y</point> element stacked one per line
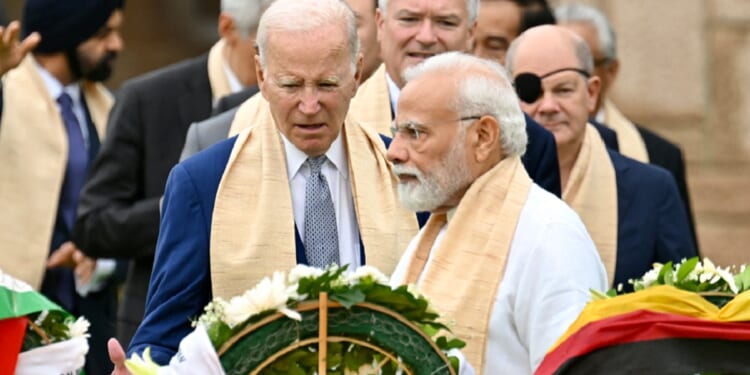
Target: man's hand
<point>68,255</point>
<point>63,256</point>
<point>117,356</point>
<point>12,51</point>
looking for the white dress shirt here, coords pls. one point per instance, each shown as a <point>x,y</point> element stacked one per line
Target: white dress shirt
<point>551,266</point>
<point>336,172</point>
<point>234,83</point>
<point>393,92</point>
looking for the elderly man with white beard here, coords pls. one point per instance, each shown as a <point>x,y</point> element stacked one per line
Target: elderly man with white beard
<point>509,263</point>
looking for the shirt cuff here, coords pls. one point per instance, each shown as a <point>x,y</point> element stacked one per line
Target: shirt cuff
<point>102,272</point>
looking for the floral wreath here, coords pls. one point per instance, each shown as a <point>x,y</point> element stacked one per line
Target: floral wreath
<point>372,313</point>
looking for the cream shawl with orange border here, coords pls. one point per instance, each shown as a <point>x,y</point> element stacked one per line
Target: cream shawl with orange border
<point>33,158</point>
<point>252,231</point>
<point>592,193</point>
<point>466,268</point>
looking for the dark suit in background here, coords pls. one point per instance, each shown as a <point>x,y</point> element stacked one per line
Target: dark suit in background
<point>119,208</point>
<point>608,135</point>
<point>667,155</point>
<point>651,221</point>
<point>540,159</point>
<point>205,133</point>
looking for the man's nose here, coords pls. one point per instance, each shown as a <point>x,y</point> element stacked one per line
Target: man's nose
<point>426,33</point>
<point>397,152</point>
<point>310,101</point>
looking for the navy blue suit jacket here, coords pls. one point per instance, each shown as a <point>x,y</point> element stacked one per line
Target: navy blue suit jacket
<point>540,159</point>
<point>652,223</point>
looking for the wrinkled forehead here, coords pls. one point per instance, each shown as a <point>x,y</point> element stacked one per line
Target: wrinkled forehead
<point>429,93</point>
<point>456,8</point>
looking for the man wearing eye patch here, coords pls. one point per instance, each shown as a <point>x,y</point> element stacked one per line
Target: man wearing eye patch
<point>410,31</point>
<point>505,260</point>
<point>632,210</point>
<point>634,140</point>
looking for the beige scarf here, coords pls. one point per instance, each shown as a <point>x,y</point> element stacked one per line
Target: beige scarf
<point>467,266</point>
<point>33,158</point>
<point>252,233</point>
<point>252,110</point>
<point>217,76</point>
<point>372,104</point>
<point>592,193</point>
<point>629,139</point>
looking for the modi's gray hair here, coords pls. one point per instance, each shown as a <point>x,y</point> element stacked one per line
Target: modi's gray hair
<point>481,94</point>
<point>307,16</point>
<point>472,8</point>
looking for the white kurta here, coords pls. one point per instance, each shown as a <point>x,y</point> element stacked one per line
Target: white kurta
<point>551,266</point>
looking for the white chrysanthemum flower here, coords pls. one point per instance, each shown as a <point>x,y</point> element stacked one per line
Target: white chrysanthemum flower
<point>269,294</point>
<point>694,275</point>
<point>367,271</point>
<point>213,312</point>
<point>710,273</point>
<point>726,275</point>
<point>651,276</point>
<point>78,328</point>
<point>302,271</point>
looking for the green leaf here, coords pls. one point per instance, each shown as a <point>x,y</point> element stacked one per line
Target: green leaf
<point>349,297</point>
<point>665,274</point>
<point>444,344</point>
<point>357,356</point>
<point>743,280</point>
<point>454,363</point>
<point>685,268</point>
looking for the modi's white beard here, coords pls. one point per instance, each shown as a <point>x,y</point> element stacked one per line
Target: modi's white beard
<point>435,189</point>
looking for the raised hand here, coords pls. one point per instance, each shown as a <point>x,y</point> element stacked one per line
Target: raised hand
<point>12,51</point>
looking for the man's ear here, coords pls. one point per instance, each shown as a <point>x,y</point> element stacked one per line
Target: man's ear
<point>486,138</point>
<point>227,28</point>
<point>379,20</point>
<point>260,74</point>
<point>593,86</point>
<point>358,73</point>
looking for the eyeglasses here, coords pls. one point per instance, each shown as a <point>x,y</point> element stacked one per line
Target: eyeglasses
<point>411,130</point>
<point>529,85</point>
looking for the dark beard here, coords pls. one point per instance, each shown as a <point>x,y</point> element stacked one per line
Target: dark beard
<point>100,71</point>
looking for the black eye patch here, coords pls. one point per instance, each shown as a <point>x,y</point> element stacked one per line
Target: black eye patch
<point>529,85</point>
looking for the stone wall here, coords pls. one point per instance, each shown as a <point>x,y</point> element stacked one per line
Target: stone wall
<point>685,73</point>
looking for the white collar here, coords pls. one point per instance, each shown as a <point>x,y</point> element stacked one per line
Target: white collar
<point>393,92</point>
<point>295,158</point>
<point>234,83</point>
<point>600,116</point>
<point>55,88</point>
